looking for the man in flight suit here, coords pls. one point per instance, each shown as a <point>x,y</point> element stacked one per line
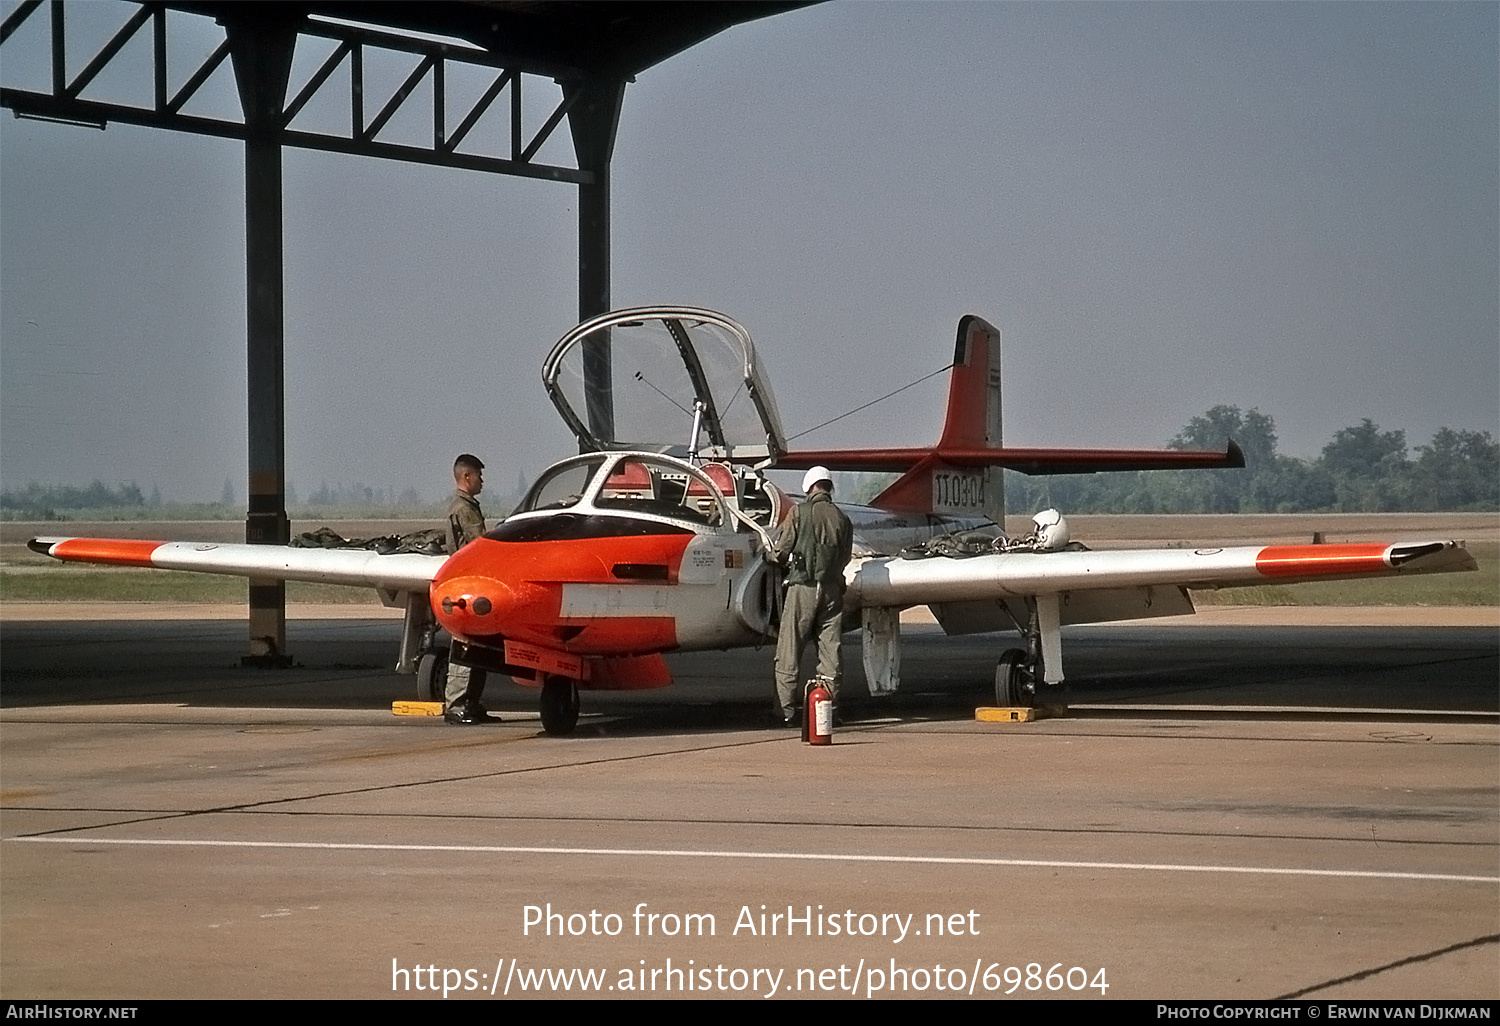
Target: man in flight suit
<point>814,546</point>
<point>465,523</point>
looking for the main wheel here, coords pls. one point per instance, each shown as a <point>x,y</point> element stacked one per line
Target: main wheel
<point>432,676</point>
<point>1013,681</point>
<point>559,705</point>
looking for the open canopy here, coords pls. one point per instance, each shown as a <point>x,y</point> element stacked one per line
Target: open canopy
<point>675,380</point>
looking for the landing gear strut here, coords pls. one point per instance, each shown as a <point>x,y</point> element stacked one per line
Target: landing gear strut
<point>420,651</point>
<point>1033,676</point>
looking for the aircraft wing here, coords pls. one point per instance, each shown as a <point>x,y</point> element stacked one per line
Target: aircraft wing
<point>897,581</point>
<point>406,571</point>
<point>1040,592</point>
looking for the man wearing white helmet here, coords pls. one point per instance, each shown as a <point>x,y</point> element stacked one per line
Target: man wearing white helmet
<point>815,546</point>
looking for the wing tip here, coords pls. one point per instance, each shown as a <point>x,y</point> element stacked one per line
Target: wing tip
<point>1432,557</point>
<point>1234,456</point>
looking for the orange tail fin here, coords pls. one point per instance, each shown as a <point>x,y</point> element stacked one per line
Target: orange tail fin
<point>962,475</point>
<point>973,422</point>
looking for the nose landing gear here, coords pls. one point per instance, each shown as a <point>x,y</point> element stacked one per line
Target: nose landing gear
<point>559,705</point>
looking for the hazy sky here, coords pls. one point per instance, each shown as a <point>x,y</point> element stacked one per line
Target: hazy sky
<point>1290,206</point>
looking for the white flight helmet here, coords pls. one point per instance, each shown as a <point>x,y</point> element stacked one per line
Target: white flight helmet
<point>1051,530</point>
<point>813,476</point>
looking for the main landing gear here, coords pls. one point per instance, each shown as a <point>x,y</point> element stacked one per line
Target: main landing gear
<point>1031,677</point>
<point>1015,681</point>
<point>432,676</point>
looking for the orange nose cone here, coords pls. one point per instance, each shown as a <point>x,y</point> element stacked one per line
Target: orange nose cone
<point>471,607</point>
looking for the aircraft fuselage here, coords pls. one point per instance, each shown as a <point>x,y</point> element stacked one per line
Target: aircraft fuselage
<point>634,554</point>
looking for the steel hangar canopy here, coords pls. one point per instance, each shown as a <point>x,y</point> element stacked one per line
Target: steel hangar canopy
<point>590,49</point>
<point>561,38</point>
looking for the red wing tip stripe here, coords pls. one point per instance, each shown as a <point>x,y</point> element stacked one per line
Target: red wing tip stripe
<point>116,551</point>
<point>1318,560</point>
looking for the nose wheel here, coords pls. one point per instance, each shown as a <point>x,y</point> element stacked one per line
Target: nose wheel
<point>559,706</point>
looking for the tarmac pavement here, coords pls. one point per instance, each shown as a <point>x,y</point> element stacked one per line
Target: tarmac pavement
<point>1230,812</point>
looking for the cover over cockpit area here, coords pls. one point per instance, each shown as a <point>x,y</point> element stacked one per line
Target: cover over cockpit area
<point>676,380</point>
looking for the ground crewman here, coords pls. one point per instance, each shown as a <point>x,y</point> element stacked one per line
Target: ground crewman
<point>465,523</point>
<point>815,545</point>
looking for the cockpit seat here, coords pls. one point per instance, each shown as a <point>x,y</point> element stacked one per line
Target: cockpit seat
<point>630,480</point>
<point>719,474</point>
<point>697,491</point>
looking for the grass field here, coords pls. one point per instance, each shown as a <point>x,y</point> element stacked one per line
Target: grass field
<point>72,583</point>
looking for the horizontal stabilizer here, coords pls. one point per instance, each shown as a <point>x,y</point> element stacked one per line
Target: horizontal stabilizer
<point>1027,461</point>
<point>959,475</point>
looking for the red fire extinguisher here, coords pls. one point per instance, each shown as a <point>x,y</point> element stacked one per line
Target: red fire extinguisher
<point>817,725</point>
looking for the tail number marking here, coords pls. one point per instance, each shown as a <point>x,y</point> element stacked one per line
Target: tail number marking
<point>957,491</point>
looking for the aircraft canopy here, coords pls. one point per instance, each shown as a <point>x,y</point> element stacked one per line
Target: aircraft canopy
<point>652,367</point>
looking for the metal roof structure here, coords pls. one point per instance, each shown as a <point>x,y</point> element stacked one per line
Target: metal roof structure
<point>559,38</point>
<point>588,50</point>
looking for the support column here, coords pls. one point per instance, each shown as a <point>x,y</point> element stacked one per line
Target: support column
<point>261,52</point>
<point>593,119</point>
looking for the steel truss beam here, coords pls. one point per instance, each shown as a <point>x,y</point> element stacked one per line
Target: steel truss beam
<point>64,102</point>
<point>259,42</point>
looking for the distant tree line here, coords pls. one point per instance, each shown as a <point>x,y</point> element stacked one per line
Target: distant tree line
<point>356,494</point>
<point>50,502</point>
<point>43,501</point>
<point>1361,470</point>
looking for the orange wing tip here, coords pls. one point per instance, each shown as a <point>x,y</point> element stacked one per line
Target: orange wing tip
<point>1321,560</point>
<point>113,551</point>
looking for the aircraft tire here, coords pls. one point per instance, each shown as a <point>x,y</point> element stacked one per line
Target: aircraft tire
<point>1011,691</point>
<point>559,706</point>
<point>432,677</point>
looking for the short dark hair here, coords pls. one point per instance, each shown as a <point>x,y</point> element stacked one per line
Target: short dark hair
<point>468,460</point>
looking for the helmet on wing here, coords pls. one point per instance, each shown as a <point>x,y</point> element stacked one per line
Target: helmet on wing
<point>1051,530</point>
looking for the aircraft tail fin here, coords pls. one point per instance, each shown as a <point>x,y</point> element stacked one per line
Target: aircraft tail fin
<point>973,422</point>
<point>962,475</point>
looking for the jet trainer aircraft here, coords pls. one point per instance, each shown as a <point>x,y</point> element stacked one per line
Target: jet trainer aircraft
<point>655,539</point>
